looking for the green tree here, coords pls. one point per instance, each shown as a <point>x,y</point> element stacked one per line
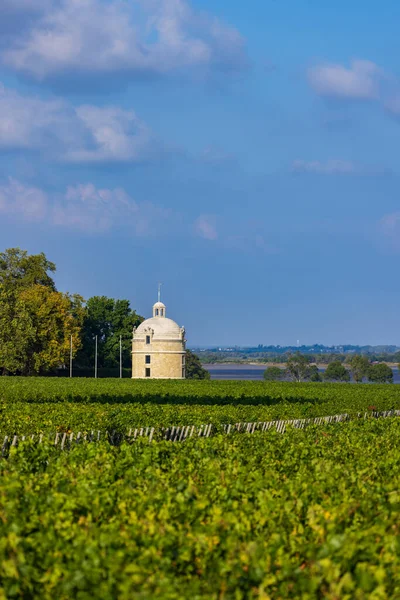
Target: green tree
<point>273,374</point>
<point>359,366</point>
<point>298,367</point>
<point>314,374</point>
<point>36,321</point>
<point>108,319</point>
<point>380,373</point>
<point>19,270</point>
<point>48,319</point>
<point>194,368</point>
<point>335,371</point>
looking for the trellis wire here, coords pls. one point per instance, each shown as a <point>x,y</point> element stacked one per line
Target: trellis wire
<point>182,432</point>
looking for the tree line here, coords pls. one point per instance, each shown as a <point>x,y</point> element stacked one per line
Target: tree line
<point>37,323</point>
<point>299,367</point>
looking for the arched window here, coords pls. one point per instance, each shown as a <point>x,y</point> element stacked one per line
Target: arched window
<point>156,312</point>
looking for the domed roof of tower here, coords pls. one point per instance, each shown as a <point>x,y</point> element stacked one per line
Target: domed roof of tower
<point>160,325</point>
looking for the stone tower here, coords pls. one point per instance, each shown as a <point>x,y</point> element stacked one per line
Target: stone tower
<point>158,347</point>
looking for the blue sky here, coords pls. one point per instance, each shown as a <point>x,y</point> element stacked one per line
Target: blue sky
<point>243,155</point>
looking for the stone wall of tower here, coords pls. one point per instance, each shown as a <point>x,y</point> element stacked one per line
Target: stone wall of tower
<point>167,358</point>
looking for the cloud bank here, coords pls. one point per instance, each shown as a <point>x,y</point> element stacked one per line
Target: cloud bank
<point>99,37</point>
<point>83,134</point>
<point>88,209</point>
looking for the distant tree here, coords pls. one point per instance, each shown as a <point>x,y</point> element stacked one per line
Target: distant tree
<point>314,374</point>
<point>273,374</point>
<point>108,319</point>
<point>298,367</point>
<point>359,366</point>
<point>380,373</point>
<point>194,368</point>
<point>335,371</point>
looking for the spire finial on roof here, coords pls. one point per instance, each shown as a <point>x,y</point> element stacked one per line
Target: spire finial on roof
<point>159,292</point>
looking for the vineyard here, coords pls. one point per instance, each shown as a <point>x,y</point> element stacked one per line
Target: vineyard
<point>43,405</point>
<point>309,514</point>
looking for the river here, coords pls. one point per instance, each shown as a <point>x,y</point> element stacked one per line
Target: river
<point>252,372</point>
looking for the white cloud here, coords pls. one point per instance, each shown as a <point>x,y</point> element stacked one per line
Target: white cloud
<point>116,135</point>
<point>90,209</point>
<point>364,80</point>
<point>30,203</point>
<point>360,81</point>
<point>21,6</point>
<point>110,36</point>
<point>205,226</point>
<point>86,208</point>
<point>67,133</point>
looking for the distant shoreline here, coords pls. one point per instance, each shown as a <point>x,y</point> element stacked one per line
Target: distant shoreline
<point>252,365</point>
<point>231,365</point>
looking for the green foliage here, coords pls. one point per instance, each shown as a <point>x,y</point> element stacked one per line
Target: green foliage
<point>335,371</point>
<point>309,514</point>
<point>36,321</point>
<point>19,270</point>
<point>298,368</point>
<point>108,319</point>
<point>273,374</point>
<point>48,319</point>
<point>314,374</point>
<point>380,373</point>
<point>89,372</point>
<point>359,366</point>
<point>46,389</point>
<point>194,369</point>
<point>45,405</point>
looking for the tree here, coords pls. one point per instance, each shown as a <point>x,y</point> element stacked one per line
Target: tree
<point>194,368</point>
<point>48,319</point>
<point>359,366</point>
<point>37,339</point>
<point>298,367</point>
<point>335,371</point>
<point>33,315</point>
<point>314,374</point>
<point>380,373</point>
<point>273,374</point>
<point>108,319</point>
<point>19,270</point>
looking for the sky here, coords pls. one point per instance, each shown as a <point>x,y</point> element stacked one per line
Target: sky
<point>244,155</point>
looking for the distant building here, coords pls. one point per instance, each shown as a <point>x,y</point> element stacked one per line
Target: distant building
<point>158,347</point>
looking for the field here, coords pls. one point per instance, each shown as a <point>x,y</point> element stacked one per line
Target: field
<point>43,405</point>
<point>307,514</point>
